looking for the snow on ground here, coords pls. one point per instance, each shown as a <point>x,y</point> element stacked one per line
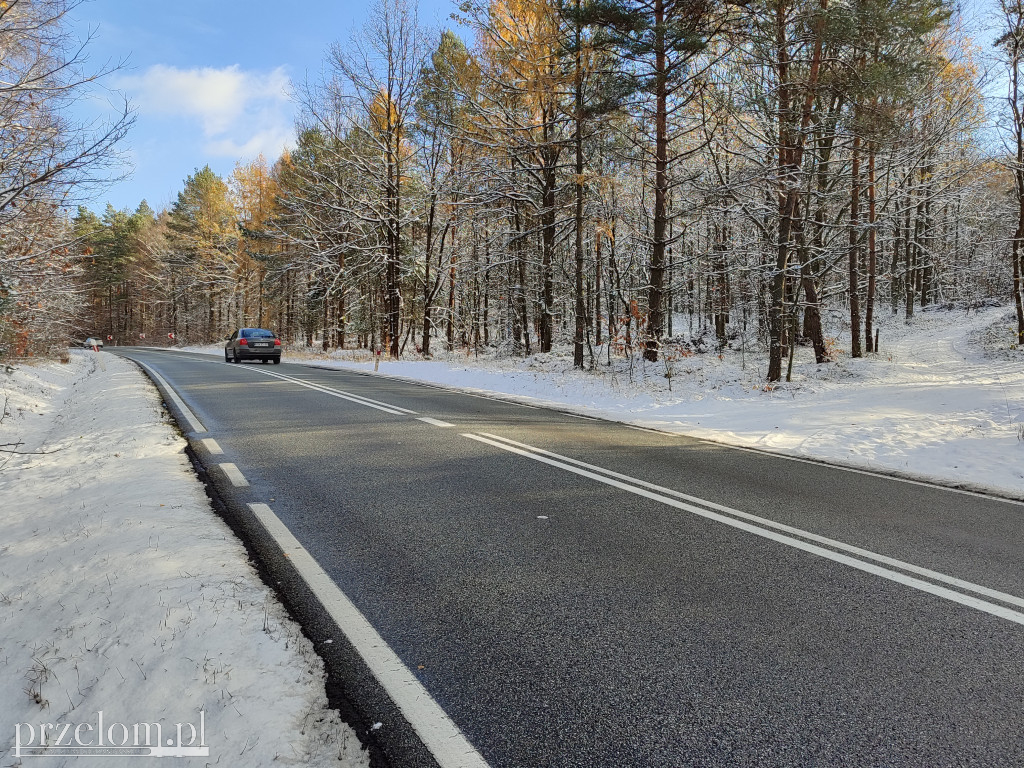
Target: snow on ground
<point>122,592</point>
<point>944,398</point>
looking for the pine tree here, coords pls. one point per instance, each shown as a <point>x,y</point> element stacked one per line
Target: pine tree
<point>664,42</point>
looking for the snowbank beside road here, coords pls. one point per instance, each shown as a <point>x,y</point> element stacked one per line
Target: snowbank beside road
<point>122,592</point>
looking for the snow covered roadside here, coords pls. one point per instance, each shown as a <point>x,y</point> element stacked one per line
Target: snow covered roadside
<point>121,591</point>
<point>944,399</point>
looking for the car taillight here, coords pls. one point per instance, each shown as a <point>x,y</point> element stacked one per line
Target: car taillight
<point>277,342</point>
<point>243,341</point>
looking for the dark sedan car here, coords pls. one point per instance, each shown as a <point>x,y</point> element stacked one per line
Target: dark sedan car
<point>252,344</point>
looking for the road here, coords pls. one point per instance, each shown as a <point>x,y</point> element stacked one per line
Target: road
<point>578,593</point>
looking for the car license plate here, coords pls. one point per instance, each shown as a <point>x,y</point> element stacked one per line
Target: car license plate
<point>258,344</point>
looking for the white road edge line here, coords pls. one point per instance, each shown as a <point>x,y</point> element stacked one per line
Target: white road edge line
<point>440,735</point>
<point>234,475</point>
<point>865,553</point>
<point>885,573</point>
<point>359,399</point>
<point>212,446</point>
<point>190,417</point>
<point>435,422</point>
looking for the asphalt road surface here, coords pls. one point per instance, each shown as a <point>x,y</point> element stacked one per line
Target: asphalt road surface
<point>572,592</point>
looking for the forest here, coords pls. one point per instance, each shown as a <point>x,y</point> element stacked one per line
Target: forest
<point>619,177</point>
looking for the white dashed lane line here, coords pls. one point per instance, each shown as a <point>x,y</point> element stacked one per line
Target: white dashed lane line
<point>212,446</point>
<point>435,422</point>
<point>234,475</point>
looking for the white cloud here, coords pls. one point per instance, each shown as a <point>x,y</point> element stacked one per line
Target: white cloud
<point>241,112</point>
<point>269,143</point>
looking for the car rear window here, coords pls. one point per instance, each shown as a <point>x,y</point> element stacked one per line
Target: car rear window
<point>257,333</point>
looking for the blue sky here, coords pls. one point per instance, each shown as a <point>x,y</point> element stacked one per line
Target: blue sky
<point>210,80</point>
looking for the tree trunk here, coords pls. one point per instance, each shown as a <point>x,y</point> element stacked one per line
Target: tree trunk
<point>428,293</point>
<point>655,292</point>
<point>581,313</point>
<point>597,287</point>
<point>548,221</point>
<point>487,287</point>
<point>1016,255</point>
<point>790,149</point>
<point>869,312</point>
<point>854,252</point>
<point>812,305</point>
<point>925,264</point>
<point>394,296</point>
<point>451,295</point>
<point>909,262</point>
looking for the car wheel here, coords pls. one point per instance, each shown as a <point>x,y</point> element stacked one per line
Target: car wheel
<point>234,358</point>
<point>277,361</point>
<point>227,357</point>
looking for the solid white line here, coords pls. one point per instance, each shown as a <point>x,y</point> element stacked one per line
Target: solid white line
<point>865,553</point>
<point>234,475</point>
<point>185,411</point>
<point>340,394</point>
<point>577,416</point>
<point>212,446</point>
<point>924,586</point>
<point>435,422</point>
<point>440,735</point>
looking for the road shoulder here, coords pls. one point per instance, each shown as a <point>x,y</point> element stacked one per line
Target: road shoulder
<point>122,591</point>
